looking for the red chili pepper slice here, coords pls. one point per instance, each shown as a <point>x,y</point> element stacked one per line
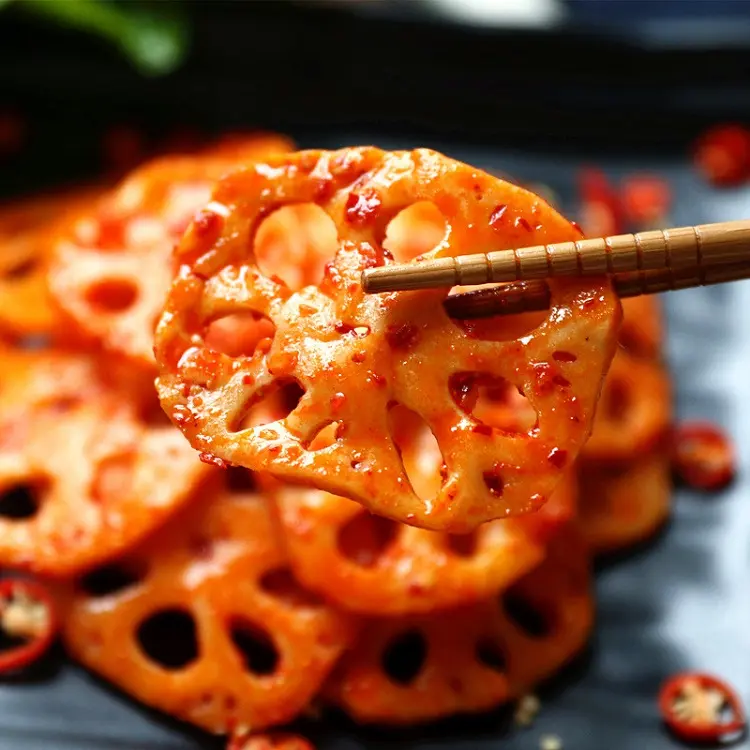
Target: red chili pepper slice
<point>722,155</point>
<point>703,456</point>
<point>646,199</point>
<point>701,708</point>
<point>601,209</point>
<point>27,614</point>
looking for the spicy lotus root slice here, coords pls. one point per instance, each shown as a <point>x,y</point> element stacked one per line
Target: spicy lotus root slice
<point>112,265</point>
<point>425,667</point>
<point>624,474</point>
<point>83,475</point>
<point>26,228</point>
<point>355,356</point>
<point>635,408</point>
<point>205,621</point>
<point>372,565</point>
<point>634,413</point>
<point>622,505</point>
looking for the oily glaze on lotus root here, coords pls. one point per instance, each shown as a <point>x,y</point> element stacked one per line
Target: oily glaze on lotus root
<point>355,356</point>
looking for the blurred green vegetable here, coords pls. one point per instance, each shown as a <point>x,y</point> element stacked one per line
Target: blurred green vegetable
<point>154,36</point>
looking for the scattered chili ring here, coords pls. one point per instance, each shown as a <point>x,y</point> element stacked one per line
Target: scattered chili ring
<point>695,707</point>
<point>703,456</point>
<point>27,614</point>
<point>722,155</point>
<point>646,199</point>
<point>601,209</point>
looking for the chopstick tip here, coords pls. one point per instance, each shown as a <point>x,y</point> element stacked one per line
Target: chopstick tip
<point>366,280</point>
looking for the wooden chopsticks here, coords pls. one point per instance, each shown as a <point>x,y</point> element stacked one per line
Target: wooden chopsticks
<point>643,263</point>
<point>527,296</point>
<point>662,249</point>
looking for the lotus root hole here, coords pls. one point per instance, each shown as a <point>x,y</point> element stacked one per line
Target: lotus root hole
<point>563,356</point>
<point>490,655</point>
<point>294,243</point>
<point>414,231</point>
<point>526,615</point>
<point>463,545</point>
<point>22,501</point>
<point>276,402</point>
<point>168,638</point>
<point>239,334</point>
<point>281,584</point>
<point>493,403</point>
<point>498,327</point>
<point>617,400</point>
<point>325,437</point>
<point>494,482</point>
<point>241,481</point>
<point>255,646</point>
<point>419,449</point>
<point>365,538</point>
<point>112,296</point>
<point>108,580</point>
<point>404,657</point>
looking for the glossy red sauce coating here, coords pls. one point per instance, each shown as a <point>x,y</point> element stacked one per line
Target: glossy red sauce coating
<point>207,222</point>
<point>558,457</point>
<point>497,215</point>
<point>402,336</point>
<point>338,400</point>
<point>362,209</point>
<point>209,458</point>
<point>520,221</point>
<point>412,351</point>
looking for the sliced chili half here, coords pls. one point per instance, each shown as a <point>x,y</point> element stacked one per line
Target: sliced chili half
<point>28,620</point>
<point>703,456</point>
<point>701,708</point>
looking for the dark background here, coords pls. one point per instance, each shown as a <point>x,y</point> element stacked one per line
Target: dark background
<point>614,78</point>
<point>627,85</point>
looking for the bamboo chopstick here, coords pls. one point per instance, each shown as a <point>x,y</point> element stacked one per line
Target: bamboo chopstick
<point>527,296</point>
<point>671,250</point>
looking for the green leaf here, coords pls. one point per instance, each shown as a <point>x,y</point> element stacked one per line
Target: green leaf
<point>154,36</point>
